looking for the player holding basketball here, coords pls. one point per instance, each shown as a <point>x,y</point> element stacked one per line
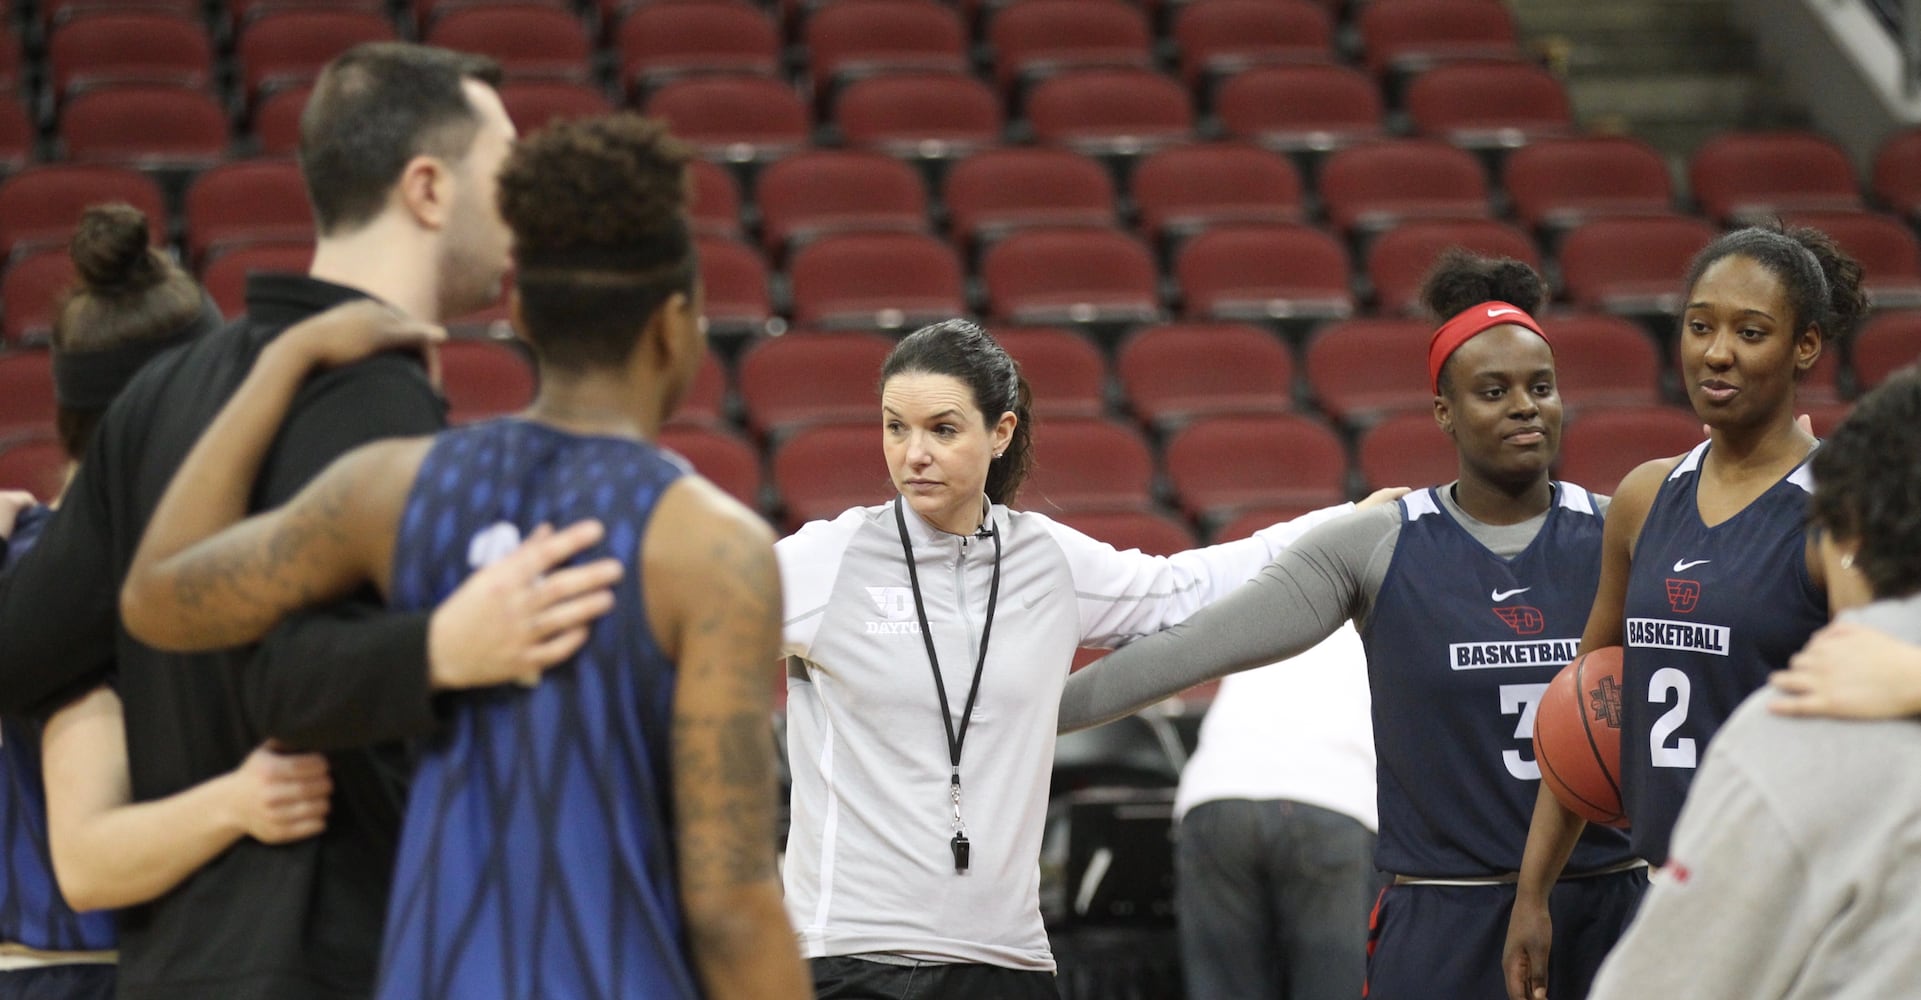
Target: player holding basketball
<point>610,832</point>
<point>1469,597</point>
<point>1708,579</point>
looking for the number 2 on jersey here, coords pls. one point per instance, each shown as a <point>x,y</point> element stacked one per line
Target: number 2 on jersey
<point>1660,754</point>
<point>1522,698</point>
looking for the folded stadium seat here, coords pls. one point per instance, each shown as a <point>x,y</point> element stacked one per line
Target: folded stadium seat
<point>276,120</point>
<point>30,292</point>
<point>813,377</point>
<point>1185,189</point>
<point>1890,256</point>
<point>484,378</point>
<point>291,46</point>
<point>129,46</point>
<point>426,13</point>
<point>714,202</point>
<point>1362,370</point>
<point>1089,465</point>
<point>1150,531</point>
<point>26,391</point>
<point>1897,172</point>
<point>233,15</point>
<point>1603,360</point>
<point>1371,187</point>
<point>529,40</point>
<point>885,281</point>
<point>52,13</point>
<point>849,39</point>
<point>12,59</point>
<point>1887,343</point>
<point>247,200</point>
<point>734,278</point>
<point>720,455</point>
<point>657,42</point>
<point>818,192</point>
<point>741,119</point>
<point>930,116</point>
<point>1821,386</point>
<point>534,103</point>
<point>1035,39</point>
<point>1489,105</point>
<point>1406,449</point>
<point>822,470</point>
<point>1398,260</point>
<point>147,126</point>
<point>17,134</point>
<point>1217,38</point>
<point>1244,525</point>
<point>1408,36</point>
<point>996,191</point>
<point>1263,273</point>
<point>41,204</point>
<point>1218,465</point>
<point>1075,275</point>
<point>705,402</point>
<point>1180,372</point>
<point>1606,443</point>
<point>1295,109</point>
<point>1752,176</point>
<point>1631,265</point>
<point>224,273</point>
<point>1110,112</point>
<point>34,462</point>
<point>1065,371</point>
<point>1559,183</point>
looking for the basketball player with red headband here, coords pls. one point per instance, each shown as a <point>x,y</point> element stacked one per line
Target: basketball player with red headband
<point>1468,597</point>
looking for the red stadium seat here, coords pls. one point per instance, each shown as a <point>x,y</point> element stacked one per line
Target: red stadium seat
<point>714,205</point>
<point>145,125</point>
<point>239,13</point>
<point>129,47</point>
<point>247,200</point>
<point>1631,264</point>
<point>224,273</point>
<point>1363,370</point>
<point>738,118</point>
<point>823,470</point>
<point>1086,465</point>
<point>823,191</point>
<point>1897,172</point>
<point>292,45</point>
<point>1244,525</point>
<point>1561,182</point>
<point>1220,464</point>
<point>1486,106</point>
<point>42,204</point>
<point>1070,275</point>
<point>923,115</point>
<point>1821,385</point>
<point>998,190</point>
<point>429,13</point>
<point>26,391</point>
<point>876,281</point>
<point>721,456</point>
<point>31,291</point>
<point>1887,343</point>
<point>532,104</point>
<point>276,120</point>
<point>1606,444</point>
<point>1035,39</point>
<point>734,277</point>
<point>1297,108</point>
<point>529,40</point>
<point>658,42</point>
<point>1603,361</point>
<point>1179,372</point>
<point>1149,531</point>
<point>1220,37</point>
<point>1110,111</point>
<point>1407,36</point>
<point>484,378</point>
<point>705,404</point>
<point>1407,449</point>
<point>812,378</point>
<point>853,38</point>
<point>17,134</point>
<point>1886,248</point>
<point>1374,186</point>
<point>1398,260</point>
<point>1264,272</point>
<point>1184,189</point>
<point>33,462</point>
<point>1065,371</point>
<point>1754,175</point>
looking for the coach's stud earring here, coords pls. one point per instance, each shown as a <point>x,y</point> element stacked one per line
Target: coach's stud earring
<point>1847,560</point>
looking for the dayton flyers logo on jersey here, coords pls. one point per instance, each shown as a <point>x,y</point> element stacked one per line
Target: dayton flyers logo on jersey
<point>896,607</point>
<point>1524,620</point>
<point>1683,595</point>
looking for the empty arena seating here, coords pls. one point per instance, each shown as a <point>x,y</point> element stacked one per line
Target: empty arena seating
<point>1375,185</point>
<point>1887,343</point>
<point>484,378</point>
<point>1489,105</point>
<point>1221,37</point>
<point>26,391</point>
<point>1561,182</point>
<point>39,205</point>
<point>1298,108</point>
<point>1604,444</point>
<point>1275,272</point>
<point>1400,258</point>
<point>657,42</point>
<point>1076,275</point>
<point>1184,189</point>
<point>879,280</point>
<point>814,193</point>
<point>34,462</point>
<point>998,190</point>
<point>1631,264</point>
<point>1753,175</point>
<point>1177,372</point>
<point>1089,465</point>
<point>1066,371</point>
<point>1220,464</point>
<point>812,377</point>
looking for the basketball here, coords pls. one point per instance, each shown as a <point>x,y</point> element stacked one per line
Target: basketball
<point>1577,736</point>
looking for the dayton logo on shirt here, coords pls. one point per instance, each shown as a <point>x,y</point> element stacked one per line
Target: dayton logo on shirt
<point>896,607</point>
<point>1683,595</point>
<point>1523,619</point>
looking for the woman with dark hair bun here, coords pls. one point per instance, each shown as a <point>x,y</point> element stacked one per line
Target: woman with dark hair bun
<point>1709,580</point>
<point>928,640</point>
<point>1468,597</point>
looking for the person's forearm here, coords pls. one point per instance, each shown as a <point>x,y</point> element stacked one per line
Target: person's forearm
<point>743,946</point>
<point>1551,838</point>
<point>135,853</point>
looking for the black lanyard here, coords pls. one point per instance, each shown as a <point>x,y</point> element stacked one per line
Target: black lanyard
<point>960,844</point>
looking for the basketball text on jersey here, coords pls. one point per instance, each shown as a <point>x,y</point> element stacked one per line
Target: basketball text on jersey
<point>1653,633</point>
<point>1533,653</point>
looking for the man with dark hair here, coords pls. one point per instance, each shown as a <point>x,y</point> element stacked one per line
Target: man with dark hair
<point>410,221</point>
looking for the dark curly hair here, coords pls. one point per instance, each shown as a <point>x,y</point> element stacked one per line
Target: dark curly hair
<point>968,352</point>
<point>1868,484</point>
<point>1461,280</point>
<point>1823,283</point>
<point>598,209</point>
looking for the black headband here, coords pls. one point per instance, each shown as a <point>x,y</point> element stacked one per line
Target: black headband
<point>89,380</point>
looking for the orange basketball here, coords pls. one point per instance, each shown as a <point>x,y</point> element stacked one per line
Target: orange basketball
<point>1577,736</point>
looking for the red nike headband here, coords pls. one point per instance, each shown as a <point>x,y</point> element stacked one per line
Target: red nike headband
<point>1469,324</point>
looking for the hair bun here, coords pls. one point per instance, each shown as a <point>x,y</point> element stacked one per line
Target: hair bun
<point>112,251</point>
<point>1461,279</point>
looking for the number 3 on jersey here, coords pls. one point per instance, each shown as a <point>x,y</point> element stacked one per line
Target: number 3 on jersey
<point>1660,754</point>
<point>1522,698</point>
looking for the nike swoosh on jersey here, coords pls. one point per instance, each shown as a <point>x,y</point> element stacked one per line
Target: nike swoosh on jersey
<point>1491,313</point>
<point>1502,595</point>
<point>1683,565</point>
